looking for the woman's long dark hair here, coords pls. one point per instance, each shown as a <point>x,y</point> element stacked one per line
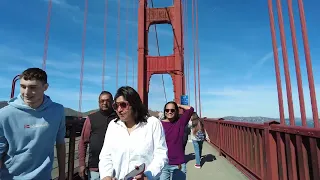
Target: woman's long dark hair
<point>176,115</point>
<point>197,125</point>
<point>139,110</point>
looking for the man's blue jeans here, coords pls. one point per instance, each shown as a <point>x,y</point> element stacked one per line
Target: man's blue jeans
<point>172,172</point>
<point>197,145</point>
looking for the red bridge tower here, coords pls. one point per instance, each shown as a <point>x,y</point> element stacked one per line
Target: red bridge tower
<point>149,65</point>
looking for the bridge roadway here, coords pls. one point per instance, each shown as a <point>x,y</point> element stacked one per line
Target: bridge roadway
<point>214,166</point>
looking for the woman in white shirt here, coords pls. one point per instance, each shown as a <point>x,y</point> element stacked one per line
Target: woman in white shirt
<point>133,139</point>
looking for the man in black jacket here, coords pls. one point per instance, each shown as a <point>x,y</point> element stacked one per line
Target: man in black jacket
<point>93,132</point>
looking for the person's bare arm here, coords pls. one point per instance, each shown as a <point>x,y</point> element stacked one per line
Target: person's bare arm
<point>185,107</point>
<point>61,155</point>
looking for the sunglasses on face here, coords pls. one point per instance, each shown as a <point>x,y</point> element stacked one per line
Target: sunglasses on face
<point>122,105</point>
<point>104,101</point>
<point>170,110</point>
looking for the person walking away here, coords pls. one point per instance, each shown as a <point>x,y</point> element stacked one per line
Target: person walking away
<point>93,132</point>
<point>174,131</point>
<point>30,126</point>
<point>199,134</point>
<point>132,139</point>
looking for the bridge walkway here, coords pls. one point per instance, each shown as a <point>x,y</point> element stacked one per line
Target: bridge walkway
<point>214,166</point>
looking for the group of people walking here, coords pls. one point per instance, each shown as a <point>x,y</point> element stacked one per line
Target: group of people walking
<point>120,136</point>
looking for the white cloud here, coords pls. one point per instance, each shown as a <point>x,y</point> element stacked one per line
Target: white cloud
<point>65,5</point>
<point>256,100</point>
<point>68,60</point>
<point>257,66</point>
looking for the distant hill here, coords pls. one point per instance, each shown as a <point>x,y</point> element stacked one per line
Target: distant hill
<point>71,112</point>
<point>3,104</point>
<point>251,119</point>
<point>260,119</point>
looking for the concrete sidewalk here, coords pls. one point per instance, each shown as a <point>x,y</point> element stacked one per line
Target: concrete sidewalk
<point>215,167</point>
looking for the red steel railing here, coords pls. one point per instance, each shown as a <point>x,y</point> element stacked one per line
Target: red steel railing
<point>268,151</point>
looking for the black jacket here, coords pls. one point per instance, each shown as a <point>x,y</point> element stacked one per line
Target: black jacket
<point>99,123</point>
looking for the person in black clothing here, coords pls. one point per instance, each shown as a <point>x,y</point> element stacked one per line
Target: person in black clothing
<point>185,136</point>
<point>93,133</point>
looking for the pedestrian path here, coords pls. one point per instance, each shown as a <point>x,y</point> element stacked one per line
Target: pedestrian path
<point>214,167</point>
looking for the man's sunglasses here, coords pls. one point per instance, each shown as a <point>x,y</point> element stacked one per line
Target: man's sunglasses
<point>122,105</point>
<point>172,110</point>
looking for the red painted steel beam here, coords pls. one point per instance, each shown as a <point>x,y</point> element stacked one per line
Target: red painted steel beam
<point>160,64</point>
<point>147,17</point>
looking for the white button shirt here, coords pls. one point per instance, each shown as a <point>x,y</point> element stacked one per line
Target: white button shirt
<point>122,151</point>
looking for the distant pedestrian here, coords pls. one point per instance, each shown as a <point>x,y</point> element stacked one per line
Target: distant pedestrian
<point>160,115</point>
<point>198,136</point>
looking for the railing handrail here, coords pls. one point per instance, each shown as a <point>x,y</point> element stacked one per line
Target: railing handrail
<point>268,150</point>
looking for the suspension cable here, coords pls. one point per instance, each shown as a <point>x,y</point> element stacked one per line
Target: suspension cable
<point>133,47</point>
<point>104,43</point>
<point>183,43</point>
<point>118,44</point>
<point>45,51</point>
<point>83,52</point>
<point>194,57</point>
<point>186,50</point>
<point>198,56</point>
<point>157,41</point>
<point>127,44</point>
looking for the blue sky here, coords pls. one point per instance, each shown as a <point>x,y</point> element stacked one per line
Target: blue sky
<point>237,69</point>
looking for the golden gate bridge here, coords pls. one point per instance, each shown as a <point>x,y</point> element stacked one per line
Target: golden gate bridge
<point>270,150</point>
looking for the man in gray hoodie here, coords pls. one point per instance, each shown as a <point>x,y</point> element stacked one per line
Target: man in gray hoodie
<point>30,126</point>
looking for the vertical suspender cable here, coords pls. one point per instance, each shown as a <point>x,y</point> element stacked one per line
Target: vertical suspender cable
<point>186,50</point>
<point>83,51</point>
<point>312,89</point>
<point>182,45</point>
<point>157,40</point>
<point>45,51</point>
<point>133,46</point>
<point>104,43</point>
<point>194,58</point>
<point>276,61</point>
<point>127,42</point>
<point>198,56</point>
<point>118,44</point>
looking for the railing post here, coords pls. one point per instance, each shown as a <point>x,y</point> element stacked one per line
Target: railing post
<point>271,152</point>
<point>220,135</point>
<point>72,143</point>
